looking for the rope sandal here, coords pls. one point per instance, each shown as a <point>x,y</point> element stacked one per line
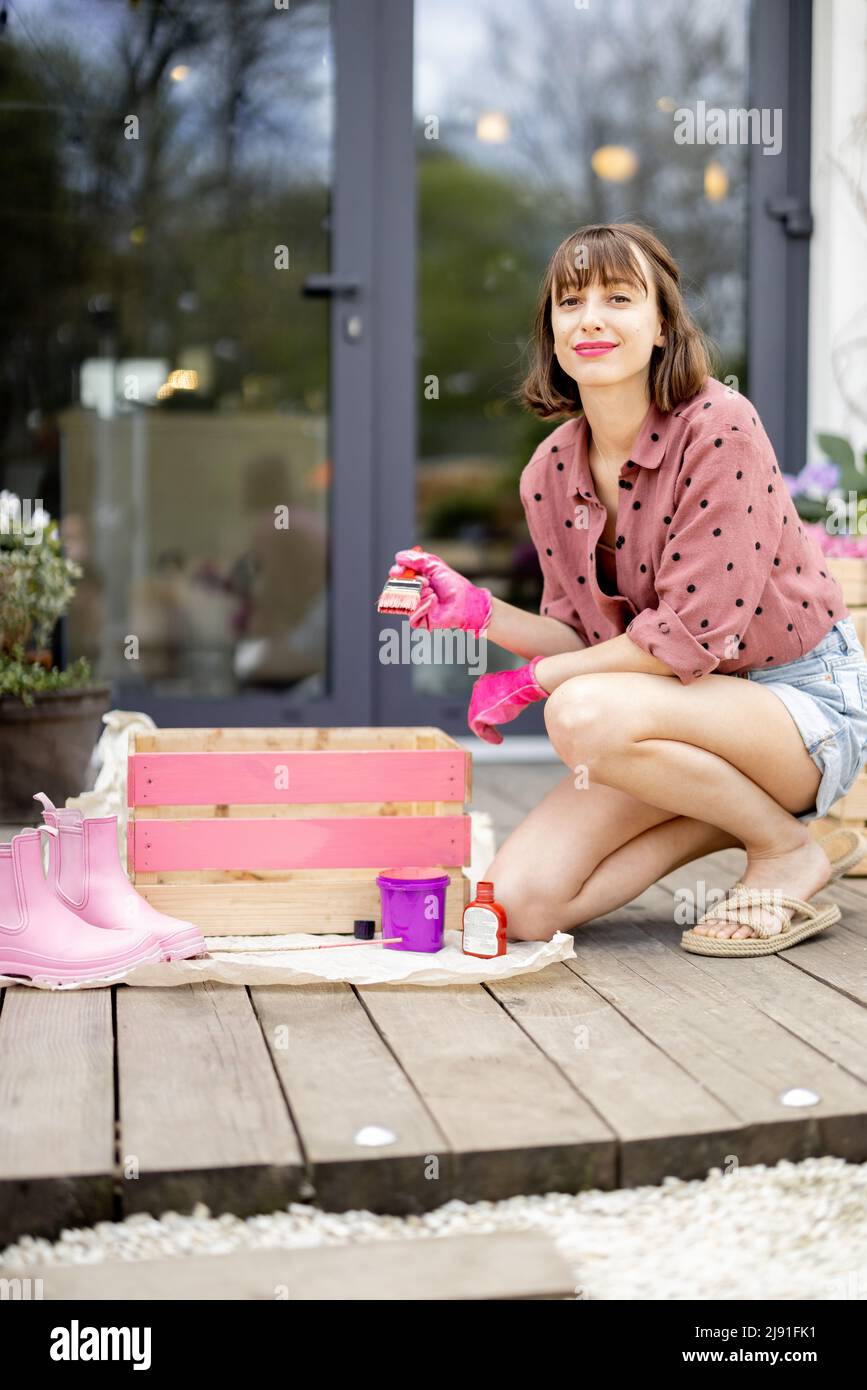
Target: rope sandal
<point>845,848</point>
<point>740,907</point>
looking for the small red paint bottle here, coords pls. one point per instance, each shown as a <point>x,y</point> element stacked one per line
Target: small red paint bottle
<point>484,925</point>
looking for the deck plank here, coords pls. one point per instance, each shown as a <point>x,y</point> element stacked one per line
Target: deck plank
<point>57,1114</point>
<point>203,1118</point>
<point>511,1119</point>
<point>496,1265</point>
<point>702,1020</point>
<point>669,1124</point>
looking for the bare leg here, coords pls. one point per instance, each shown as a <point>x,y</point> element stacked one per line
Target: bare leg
<point>597,836</point>
<point>642,861</point>
<point>687,749</point>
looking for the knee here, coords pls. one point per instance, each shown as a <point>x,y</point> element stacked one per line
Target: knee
<point>583,718</point>
<point>531,913</point>
<point>572,713</point>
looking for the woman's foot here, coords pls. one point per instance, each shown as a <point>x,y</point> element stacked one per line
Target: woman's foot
<point>796,872</point>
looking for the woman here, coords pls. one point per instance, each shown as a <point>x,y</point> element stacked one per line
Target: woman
<point>673,559</point>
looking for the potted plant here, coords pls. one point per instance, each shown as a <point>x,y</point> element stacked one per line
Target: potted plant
<point>49,718</point>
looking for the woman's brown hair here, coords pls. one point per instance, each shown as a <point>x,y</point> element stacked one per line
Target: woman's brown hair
<point>605,253</point>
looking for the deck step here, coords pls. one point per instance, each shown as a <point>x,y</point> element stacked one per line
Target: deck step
<point>501,1265</point>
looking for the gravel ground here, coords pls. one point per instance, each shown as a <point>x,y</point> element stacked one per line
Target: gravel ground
<point>796,1230</point>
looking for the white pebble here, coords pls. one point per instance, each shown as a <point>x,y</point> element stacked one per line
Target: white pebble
<point>801,1223</point>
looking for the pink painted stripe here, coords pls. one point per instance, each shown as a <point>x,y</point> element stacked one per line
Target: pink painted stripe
<point>311,775</point>
<point>334,842</point>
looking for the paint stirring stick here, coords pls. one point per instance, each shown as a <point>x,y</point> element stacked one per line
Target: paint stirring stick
<point>325,946</point>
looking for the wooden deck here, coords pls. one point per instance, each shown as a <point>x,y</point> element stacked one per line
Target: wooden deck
<point>632,1062</point>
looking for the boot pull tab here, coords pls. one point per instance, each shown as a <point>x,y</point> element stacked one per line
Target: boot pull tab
<point>49,829</point>
<point>47,803</point>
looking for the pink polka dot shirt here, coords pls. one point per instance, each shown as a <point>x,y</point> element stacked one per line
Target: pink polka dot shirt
<point>714,570</point>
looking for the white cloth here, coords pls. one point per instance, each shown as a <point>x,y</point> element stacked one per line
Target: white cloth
<point>354,965</point>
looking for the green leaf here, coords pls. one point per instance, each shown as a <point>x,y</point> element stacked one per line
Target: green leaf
<point>840,451</point>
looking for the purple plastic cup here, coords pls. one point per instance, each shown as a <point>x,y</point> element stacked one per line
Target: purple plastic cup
<point>413,908</point>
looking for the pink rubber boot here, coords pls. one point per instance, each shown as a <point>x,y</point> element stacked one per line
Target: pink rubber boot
<point>42,940</point>
<point>86,875</point>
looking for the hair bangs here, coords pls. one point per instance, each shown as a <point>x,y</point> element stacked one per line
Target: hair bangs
<point>599,255</point>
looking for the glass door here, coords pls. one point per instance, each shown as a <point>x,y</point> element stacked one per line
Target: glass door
<point>182,332</point>
<point>532,117</point>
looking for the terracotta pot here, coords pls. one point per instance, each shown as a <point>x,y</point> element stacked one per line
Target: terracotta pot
<point>46,747</point>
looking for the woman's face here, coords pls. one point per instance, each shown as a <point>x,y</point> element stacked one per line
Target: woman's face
<point>605,334</point>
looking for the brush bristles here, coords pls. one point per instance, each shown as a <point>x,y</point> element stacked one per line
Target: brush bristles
<point>400,596</point>
<point>397,603</point>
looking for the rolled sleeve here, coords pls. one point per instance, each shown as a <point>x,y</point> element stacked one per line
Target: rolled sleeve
<point>718,555</point>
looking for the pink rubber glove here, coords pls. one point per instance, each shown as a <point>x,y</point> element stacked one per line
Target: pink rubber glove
<point>501,696</point>
<point>447,598</point>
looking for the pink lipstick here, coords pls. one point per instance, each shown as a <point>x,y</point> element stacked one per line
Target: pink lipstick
<point>594,349</point>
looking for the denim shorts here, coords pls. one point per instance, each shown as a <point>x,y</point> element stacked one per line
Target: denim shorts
<point>825,691</point>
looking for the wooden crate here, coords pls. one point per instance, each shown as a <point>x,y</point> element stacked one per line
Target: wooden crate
<point>850,571</point>
<point>255,831</point>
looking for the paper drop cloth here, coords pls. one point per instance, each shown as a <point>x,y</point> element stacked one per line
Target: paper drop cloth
<point>356,965</point>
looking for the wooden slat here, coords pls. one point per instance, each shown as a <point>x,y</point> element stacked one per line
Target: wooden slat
<point>221,811</point>
<point>246,740</point>
<point>317,842</point>
<point>500,1265</point>
<point>701,1021</point>
<point>202,1114</point>
<point>669,1123</point>
<point>289,776</point>
<point>56,1111</point>
<point>851,894</point>
<point>331,878</point>
<point>340,1078</point>
<point>850,572</point>
<point>511,1120</point>
<point>822,1018</point>
<point>329,904</point>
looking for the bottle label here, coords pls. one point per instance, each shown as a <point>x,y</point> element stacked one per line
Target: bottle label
<point>480,931</point>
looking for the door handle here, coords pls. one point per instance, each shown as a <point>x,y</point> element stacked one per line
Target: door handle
<point>328,285</point>
<point>795,216</point>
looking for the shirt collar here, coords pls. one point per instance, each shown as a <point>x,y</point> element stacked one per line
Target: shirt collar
<point>648,451</point>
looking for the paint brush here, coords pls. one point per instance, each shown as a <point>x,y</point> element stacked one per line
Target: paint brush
<point>402,592</point>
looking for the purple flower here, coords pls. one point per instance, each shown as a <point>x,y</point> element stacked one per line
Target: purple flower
<point>820,476</point>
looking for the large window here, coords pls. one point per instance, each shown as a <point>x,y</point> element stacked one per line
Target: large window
<point>532,118</point>
<point>166,174</point>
